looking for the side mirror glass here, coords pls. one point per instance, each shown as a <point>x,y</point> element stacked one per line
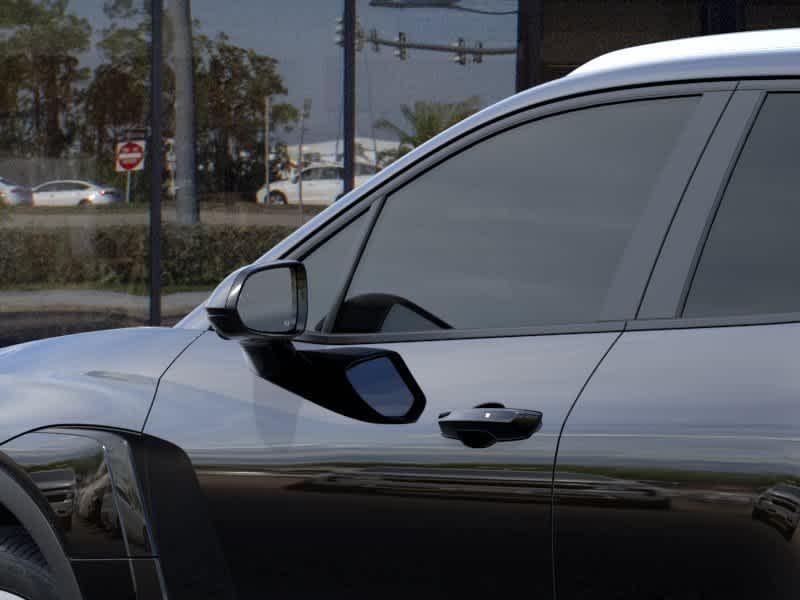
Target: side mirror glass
<point>367,384</point>
<point>381,386</point>
<point>262,304</point>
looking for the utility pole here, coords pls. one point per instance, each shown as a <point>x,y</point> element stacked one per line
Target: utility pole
<point>156,157</point>
<point>266,148</point>
<point>303,116</point>
<point>188,212</point>
<point>349,93</point>
<point>529,43</point>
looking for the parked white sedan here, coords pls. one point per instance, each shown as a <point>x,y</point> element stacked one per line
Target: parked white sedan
<point>322,185</point>
<point>74,193</point>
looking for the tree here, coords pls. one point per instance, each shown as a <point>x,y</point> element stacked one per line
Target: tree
<point>117,98</point>
<point>42,74</point>
<point>423,121</point>
<point>232,83</point>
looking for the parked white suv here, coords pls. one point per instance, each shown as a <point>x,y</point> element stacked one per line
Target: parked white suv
<point>322,184</point>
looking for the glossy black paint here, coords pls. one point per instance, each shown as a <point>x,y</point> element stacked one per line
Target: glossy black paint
<point>678,469</point>
<point>87,513</point>
<point>309,502</point>
<point>136,510</point>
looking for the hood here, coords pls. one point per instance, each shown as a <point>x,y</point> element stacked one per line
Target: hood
<point>105,378</point>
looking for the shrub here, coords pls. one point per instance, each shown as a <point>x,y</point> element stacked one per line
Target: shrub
<point>118,256</point>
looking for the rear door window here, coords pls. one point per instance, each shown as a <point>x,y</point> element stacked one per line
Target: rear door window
<point>751,261</point>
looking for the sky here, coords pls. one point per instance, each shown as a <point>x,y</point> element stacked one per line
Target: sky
<point>300,35</point>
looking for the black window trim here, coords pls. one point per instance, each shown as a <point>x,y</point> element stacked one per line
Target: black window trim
<point>439,155</point>
<point>752,93</point>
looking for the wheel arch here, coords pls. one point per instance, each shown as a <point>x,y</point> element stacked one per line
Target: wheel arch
<point>23,500</point>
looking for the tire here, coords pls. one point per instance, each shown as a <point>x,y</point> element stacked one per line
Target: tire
<point>276,198</point>
<point>23,569</point>
<point>85,202</point>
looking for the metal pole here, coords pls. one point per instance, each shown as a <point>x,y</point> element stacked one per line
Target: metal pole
<point>306,107</point>
<point>349,93</point>
<point>529,44</point>
<point>266,149</point>
<point>156,151</point>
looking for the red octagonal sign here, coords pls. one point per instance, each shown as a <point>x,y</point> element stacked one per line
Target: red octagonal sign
<point>130,156</point>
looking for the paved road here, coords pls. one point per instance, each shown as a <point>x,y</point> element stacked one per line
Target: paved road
<point>96,301</point>
<point>26,316</point>
<point>44,218</point>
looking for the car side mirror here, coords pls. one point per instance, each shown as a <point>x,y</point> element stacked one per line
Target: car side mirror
<point>263,303</point>
<point>295,178</point>
<point>265,306</point>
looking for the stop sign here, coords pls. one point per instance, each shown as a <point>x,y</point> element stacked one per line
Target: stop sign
<point>130,156</point>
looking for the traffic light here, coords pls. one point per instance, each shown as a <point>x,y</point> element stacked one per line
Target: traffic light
<point>339,39</point>
<point>460,56</point>
<point>401,52</point>
<point>477,56</point>
<point>374,40</point>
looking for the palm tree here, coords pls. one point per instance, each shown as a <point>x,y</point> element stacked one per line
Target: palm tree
<point>424,120</point>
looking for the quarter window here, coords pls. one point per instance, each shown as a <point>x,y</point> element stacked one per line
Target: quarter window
<point>751,261</point>
<point>527,227</point>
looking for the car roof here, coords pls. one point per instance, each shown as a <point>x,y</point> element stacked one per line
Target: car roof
<point>752,53</point>
<point>66,181</point>
<point>757,54</point>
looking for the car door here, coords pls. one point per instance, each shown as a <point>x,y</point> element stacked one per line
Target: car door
<point>45,195</point>
<point>678,468</point>
<point>67,193</point>
<point>507,304</point>
<point>330,185</point>
<point>311,182</point>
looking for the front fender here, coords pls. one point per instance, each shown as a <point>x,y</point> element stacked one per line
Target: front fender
<point>117,495</point>
<point>105,378</point>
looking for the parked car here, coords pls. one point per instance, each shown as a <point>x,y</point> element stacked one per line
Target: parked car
<point>578,376</point>
<point>74,193</point>
<point>322,185</point>
<point>14,195</point>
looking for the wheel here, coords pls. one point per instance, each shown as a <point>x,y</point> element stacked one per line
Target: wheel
<point>23,569</point>
<point>85,202</point>
<point>276,198</point>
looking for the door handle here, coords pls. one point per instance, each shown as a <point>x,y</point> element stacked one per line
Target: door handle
<point>487,424</point>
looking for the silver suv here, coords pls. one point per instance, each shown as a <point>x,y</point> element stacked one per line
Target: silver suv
<point>552,351</point>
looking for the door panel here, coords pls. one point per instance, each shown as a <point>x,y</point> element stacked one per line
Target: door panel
<point>309,502</point>
<point>678,469</point>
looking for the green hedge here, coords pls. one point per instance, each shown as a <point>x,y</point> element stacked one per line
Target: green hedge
<point>113,257</point>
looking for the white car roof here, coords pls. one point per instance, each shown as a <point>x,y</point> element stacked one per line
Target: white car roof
<point>770,51</point>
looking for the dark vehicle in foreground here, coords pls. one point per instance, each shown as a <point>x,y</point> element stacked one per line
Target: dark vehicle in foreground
<point>586,387</point>
<point>14,195</point>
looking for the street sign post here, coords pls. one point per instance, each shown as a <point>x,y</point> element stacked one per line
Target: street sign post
<point>130,158</point>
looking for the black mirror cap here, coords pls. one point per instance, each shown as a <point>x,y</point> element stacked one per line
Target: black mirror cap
<point>321,377</point>
<point>224,316</point>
